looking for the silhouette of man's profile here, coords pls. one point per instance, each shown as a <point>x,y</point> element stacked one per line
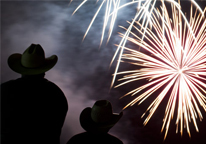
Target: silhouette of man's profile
<point>97,121</point>
<point>33,109</point>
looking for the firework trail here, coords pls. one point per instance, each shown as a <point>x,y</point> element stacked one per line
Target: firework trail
<point>111,7</point>
<point>173,62</point>
<point>144,10</point>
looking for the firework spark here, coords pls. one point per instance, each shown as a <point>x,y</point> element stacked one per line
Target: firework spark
<point>172,58</point>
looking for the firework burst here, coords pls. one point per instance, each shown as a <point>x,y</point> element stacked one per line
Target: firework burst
<point>173,57</point>
<point>173,61</point>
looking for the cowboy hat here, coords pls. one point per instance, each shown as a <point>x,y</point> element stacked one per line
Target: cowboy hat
<point>32,61</point>
<point>99,118</point>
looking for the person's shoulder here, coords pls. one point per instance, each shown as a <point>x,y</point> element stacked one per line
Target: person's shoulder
<point>114,139</point>
<point>9,82</point>
<point>80,138</point>
<point>92,138</point>
<point>50,83</point>
<point>7,86</point>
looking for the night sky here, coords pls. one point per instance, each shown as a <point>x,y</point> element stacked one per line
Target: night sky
<point>82,71</point>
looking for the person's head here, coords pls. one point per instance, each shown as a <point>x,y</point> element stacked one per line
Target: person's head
<point>32,61</point>
<point>100,118</point>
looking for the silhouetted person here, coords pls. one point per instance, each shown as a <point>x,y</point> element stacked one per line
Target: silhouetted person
<point>97,121</point>
<point>33,109</point>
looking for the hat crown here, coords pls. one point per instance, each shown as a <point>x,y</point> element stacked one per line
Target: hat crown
<point>101,111</point>
<point>33,56</point>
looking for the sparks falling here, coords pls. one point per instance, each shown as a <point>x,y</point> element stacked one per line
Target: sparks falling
<point>173,62</point>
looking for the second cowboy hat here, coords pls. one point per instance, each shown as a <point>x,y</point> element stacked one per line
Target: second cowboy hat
<point>32,61</point>
<point>99,118</point>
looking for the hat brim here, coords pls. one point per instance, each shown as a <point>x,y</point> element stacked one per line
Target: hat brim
<point>90,126</point>
<point>14,62</point>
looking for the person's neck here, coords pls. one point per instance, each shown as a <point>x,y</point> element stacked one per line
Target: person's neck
<point>34,76</point>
